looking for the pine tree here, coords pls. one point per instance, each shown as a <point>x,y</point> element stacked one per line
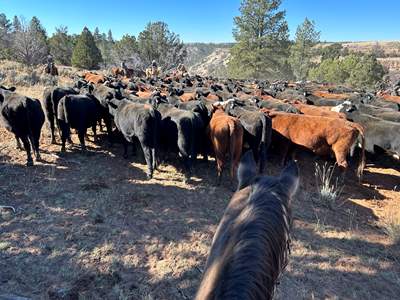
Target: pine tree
<point>5,37</point>
<point>301,51</point>
<point>126,49</point>
<point>262,40</point>
<point>86,54</point>
<point>157,42</point>
<point>61,46</point>
<point>110,38</point>
<point>16,25</point>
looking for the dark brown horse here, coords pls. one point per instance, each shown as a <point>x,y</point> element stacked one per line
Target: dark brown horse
<point>251,245</point>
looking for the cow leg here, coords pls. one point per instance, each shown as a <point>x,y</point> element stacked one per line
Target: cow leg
<point>125,144</point>
<point>81,135</point>
<point>155,158</point>
<point>187,167</point>
<point>18,144</point>
<point>220,167</point>
<point>340,156</point>
<point>52,129</point>
<point>149,160</point>
<point>94,133</point>
<point>29,160</point>
<point>35,145</point>
<point>65,133</point>
<point>107,121</point>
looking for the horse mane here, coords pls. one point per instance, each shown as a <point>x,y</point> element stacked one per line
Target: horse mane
<point>251,245</point>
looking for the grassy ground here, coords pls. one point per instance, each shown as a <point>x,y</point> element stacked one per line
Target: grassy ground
<point>92,226</point>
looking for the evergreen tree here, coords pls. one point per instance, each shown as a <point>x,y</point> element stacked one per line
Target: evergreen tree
<point>86,54</point>
<point>40,33</point>
<point>157,42</point>
<point>126,49</point>
<point>97,35</point>
<point>110,38</point>
<point>262,41</point>
<point>61,46</point>
<point>5,37</point>
<point>16,25</point>
<point>301,51</point>
<point>332,51</point>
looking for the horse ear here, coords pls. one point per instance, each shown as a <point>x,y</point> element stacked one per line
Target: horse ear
<point>247,170</point>
<point>289,177</point>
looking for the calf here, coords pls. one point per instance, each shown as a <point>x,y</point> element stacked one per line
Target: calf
<point>250,248</point>
<point>79,112</point>
<point>24,117</point>
<point>320,135</point>
<point>51,97</point>
<point>226,135</point>
<point>140,121</point>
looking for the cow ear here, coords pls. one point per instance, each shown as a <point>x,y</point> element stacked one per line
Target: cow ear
<point>247,170</point>
<point>289,177</point>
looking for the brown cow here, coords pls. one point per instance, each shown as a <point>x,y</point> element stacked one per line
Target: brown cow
<point>327,95</point>
<point>117,71</point>
<point>322,111</point>
<point>390,98</point>
<point>94,78</point>
<point>226,135</point>
<point>321,135</point>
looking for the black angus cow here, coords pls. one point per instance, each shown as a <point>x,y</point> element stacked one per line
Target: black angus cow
<point>104,94</point>
<point>178,133</point>
<point>141,121</point>
<point>51,97</point>
<point>274,105</point>
<point>78,112</point>
<point>202,116</point>
<point>257,130</point>
<point>24,117</point>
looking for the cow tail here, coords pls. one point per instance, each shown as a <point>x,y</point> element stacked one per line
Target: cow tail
<point>29,109</point>
<point>65,111</point>
<point>361,164</point>
<point>265,140</point>
<point>235,145</point>
<point>184,137</point>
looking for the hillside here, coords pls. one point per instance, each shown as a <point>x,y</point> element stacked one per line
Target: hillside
<point>211,59</point>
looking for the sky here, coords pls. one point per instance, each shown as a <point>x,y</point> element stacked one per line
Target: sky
<point>212,20</point>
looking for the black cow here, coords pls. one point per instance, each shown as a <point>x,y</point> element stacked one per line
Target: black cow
<point>24,117</point>
<point>104,94</point>
<point>378,133</point>
<point>79,112</point>
<point>275,105</point>
<point>202,116</point>
<point>51,97</point>
<point>140,121</point>
<point>257,130</point>
<point>178,132</point>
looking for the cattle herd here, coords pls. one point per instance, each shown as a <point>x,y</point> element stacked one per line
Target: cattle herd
<point>236,121</point>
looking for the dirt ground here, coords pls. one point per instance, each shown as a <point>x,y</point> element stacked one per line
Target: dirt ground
<point>90,226</point>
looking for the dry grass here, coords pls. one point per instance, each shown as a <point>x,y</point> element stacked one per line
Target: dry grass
<point>92,227</point>
<point>329,187</point>
<point>391,226</point>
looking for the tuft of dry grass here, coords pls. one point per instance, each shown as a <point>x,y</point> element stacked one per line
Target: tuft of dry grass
<point>391,226</point>
<point>329,188</point>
